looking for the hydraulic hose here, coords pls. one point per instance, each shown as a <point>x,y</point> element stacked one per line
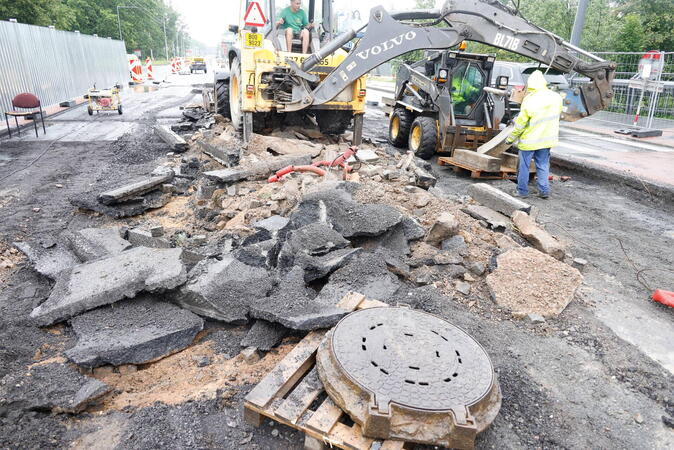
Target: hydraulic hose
<point>329,49</point>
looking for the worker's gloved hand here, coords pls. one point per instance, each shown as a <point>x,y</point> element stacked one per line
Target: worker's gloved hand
<point>509,141</point>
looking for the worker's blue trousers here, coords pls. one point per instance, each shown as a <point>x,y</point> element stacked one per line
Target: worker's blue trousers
<point>542,159</point>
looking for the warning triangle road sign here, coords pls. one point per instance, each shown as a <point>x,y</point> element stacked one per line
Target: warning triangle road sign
<point>254,15</point>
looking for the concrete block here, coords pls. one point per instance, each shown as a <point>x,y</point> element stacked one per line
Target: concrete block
<point>444,227</point>
<point>156,231</point>
<point>142,238</point>
<point>260,171</point>
<point>174,141</point>
<point>108,280</point>
<point>496,145</point>
<point>133,331</point>
<point>478,160</point>
<point>496,199</point>
<point>227,175</point>
<point>537,236</point>
<point>579,263</point>
<point>54,387</point>
<point>134,189</point>
<point>228,157</point>
<point>496,220</point>
<point>366,155</point>
<point>250,355</point>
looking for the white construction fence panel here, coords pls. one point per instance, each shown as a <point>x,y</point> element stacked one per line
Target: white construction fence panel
<point>56,65</point>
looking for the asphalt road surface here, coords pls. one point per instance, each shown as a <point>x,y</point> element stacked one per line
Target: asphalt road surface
<point>598,376</point>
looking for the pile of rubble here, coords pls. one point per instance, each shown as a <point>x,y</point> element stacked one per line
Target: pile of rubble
<point>279,255</point>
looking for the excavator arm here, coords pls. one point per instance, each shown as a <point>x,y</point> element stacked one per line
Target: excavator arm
<point>486,21</point>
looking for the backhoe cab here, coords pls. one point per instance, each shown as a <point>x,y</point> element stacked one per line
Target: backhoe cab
<point>256,87</point>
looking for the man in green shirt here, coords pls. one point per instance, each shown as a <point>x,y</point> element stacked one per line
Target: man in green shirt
<point>294,20</point>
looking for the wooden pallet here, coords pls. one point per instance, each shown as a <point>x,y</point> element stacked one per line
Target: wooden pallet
<point>506,173</point>
<point>287,392</point>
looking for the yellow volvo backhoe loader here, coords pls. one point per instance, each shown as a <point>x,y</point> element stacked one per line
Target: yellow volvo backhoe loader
<point>264,79</point>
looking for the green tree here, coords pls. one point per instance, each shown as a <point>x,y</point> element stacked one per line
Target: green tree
<point>630,38</point>
<point>141,21</point>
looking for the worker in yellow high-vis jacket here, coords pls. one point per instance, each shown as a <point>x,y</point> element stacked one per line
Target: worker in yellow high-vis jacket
<point>536,131</point>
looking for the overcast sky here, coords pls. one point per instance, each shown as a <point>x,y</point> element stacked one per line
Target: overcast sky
<point>207,20</point>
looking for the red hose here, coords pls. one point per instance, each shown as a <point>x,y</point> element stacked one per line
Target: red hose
<point>340,161</point>
<point>286,170</point>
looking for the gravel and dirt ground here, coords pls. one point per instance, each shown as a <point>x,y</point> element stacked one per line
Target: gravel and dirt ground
<point>597,376</point>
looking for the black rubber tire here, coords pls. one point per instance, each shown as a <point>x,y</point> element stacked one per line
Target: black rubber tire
<point>405,118</point>
<point>221,96</point>
<point>90,111</point>
<point>333,121</point>
<point>429,136</point>
<point>119,109</point>
<point>235,110</point>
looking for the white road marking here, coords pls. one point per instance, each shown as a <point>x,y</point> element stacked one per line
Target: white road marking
<point>639,145</point>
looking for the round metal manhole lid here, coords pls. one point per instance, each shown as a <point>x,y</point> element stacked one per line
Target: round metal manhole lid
<point>412,358</point>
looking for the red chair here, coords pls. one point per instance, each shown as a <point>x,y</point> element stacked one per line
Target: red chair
<point>25,101</point>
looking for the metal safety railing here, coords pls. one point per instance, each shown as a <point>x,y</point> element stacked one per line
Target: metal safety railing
<point>56,65</point>
<point>657,102</point>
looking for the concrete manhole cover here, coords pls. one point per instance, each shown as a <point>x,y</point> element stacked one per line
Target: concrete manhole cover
<point>409,375</point>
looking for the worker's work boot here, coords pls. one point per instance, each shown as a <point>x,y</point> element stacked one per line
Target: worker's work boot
<point>544,195</point>
<point>518,195</point>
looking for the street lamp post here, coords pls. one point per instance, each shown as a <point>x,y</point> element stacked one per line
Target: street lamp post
<point>119,22</point>
<point>165,40</point>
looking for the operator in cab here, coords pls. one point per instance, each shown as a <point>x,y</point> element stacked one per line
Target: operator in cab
<point>536,131</point>
<point>294,20</point>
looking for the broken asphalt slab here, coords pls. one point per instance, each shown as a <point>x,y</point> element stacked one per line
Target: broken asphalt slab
<point>108,280</point>
<point>315,239</point>
<point>295,306</point>
<point>49,261</point>
<point>54,387</point>
<point>264,335</point>
<point>228,156</point>
<point>367,274</point>
<point>133,331</point>
<point>90,244</point>
<point>224,290</point>
<point>175,142</point>
<point>347,217</point>
<point>132,190</point>
<point>129,208</point>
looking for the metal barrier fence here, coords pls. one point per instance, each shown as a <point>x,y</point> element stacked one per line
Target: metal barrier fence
<point>56,65</point>
<point>659,105</point>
